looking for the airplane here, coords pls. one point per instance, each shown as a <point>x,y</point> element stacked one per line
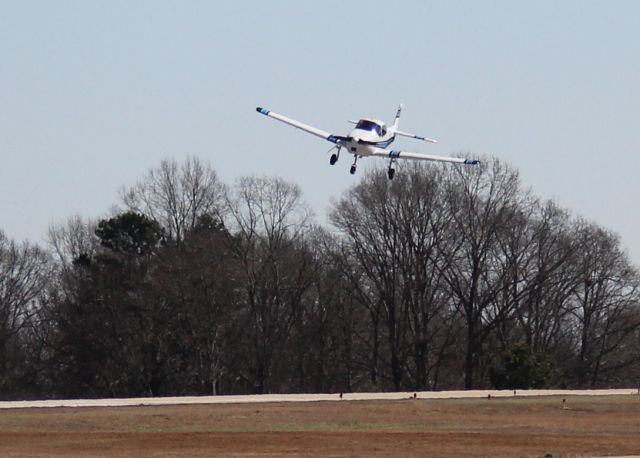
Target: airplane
<point>370,137</point>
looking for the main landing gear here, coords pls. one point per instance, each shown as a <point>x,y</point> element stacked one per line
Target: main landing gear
<point>334,157</point>
<point>391,172</point>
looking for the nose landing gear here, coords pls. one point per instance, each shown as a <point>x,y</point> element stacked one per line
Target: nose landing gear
<point>352,170</point>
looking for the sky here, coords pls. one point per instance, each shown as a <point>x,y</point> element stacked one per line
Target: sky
<point>95,94</point>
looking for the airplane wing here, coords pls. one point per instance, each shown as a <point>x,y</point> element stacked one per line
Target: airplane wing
<point>299,125</point>
<point>397,154</point>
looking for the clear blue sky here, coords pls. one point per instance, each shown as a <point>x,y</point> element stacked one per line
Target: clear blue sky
<point>95,93</point>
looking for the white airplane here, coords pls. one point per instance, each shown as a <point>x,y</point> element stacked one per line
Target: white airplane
<point>370,137</point>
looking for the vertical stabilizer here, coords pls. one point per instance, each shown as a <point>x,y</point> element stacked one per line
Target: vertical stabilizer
<point>396,122</point>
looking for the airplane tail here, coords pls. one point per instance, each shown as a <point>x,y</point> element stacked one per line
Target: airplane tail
<point>396,122</point>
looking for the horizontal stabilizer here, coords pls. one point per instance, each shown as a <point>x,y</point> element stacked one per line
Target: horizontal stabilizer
<point>417,137</point>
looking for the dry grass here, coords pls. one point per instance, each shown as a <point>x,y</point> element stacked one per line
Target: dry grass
<point>608,425</point>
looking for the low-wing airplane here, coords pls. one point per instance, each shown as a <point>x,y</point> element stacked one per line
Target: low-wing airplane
<point>370,137</point>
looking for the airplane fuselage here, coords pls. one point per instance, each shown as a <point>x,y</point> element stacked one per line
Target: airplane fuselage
<point>368,136</point>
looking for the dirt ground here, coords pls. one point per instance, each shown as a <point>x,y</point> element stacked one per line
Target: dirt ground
<point>530,427</point>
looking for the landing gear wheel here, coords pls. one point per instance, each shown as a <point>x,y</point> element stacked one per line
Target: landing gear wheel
<point>391,173</point>
<point>353,169</point>
<point>335,156</point>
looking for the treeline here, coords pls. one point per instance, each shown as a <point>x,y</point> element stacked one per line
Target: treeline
<point>445,278</point>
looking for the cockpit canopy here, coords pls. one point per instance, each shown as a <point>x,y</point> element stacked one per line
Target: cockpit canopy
<point>371,126</point>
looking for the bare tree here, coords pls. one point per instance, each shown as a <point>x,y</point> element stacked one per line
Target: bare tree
<point>335,320</point>
<point>196,287</point>
<point>365,217</point>
<point>392,232</point>
<point>483,202</point>
<point>269,223</point>
<point>176,196</point>
<point>422,221</point>
<point>73,239</point>
<point>24,270</point>
<point>605,306</point>
<point>549,275</point>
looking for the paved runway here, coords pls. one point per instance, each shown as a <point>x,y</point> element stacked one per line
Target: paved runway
<point>306,398</point>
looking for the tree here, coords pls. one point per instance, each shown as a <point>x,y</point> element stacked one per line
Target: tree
<point>195,286</point>
<point>365,217</point>
<point>422,222</point>
<point>104,340</point>
<point>604,305</point>
<point>24,270</point>
<point>74,239</point>
<point>550,277</point>
<point>392,234</point>
<point>483,202</point>
<point>269,223</point>
<point>176,196</point>
<point>521,368</point>
<point>445,276</point>
<point>335,321</point>
<point>129,233</point>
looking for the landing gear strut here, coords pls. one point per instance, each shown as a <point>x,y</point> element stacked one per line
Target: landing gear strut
<point>353,166</point>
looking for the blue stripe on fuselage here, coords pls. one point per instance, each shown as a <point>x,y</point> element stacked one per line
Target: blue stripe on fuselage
<point>382,144</point>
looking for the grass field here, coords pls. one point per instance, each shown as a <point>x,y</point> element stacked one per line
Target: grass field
<point>536,427</point>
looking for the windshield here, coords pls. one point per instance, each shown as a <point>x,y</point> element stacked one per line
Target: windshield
<point>369,125</point>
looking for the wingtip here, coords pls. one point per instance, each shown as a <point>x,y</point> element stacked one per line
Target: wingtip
<point>471,161</point>
<point>264,111</point>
